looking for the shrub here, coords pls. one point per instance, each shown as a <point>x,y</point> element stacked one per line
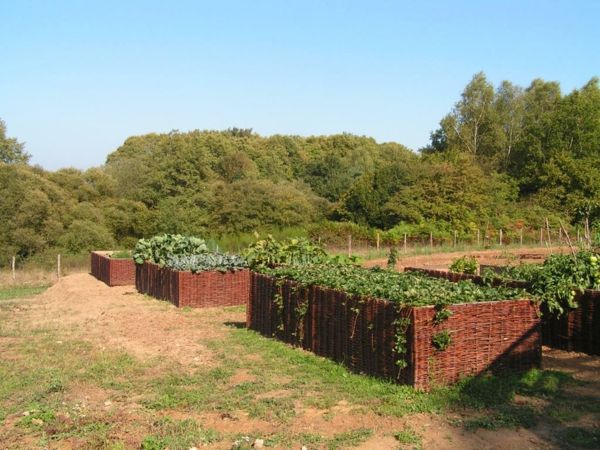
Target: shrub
<point>465,264</point>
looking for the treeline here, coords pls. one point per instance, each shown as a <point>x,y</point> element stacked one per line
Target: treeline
<point>505,157</point>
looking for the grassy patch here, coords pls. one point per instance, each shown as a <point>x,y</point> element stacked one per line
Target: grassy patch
<point>407,436</point>
<point>578,437</point>
<point>178,434</point>
<point>322,383</point>
<point>10,292</point>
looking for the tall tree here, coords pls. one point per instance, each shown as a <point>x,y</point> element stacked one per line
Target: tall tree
<point>11,150</point>
<point>465,126</point>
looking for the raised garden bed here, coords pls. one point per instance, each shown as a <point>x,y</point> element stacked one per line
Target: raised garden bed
<point>112,271</point>
<point>362,332</point>
<point>576,330</point>
<point>196,290</point>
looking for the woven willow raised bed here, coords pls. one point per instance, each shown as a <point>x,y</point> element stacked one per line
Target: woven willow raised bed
<point>196,290</point>
<point>112,271</point>
<point>577,330</point>
<point>485,336</point>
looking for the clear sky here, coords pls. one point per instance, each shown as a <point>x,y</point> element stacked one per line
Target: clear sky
<point>79,77</point>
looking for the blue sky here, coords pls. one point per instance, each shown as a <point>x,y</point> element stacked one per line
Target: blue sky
<point>79,77</point>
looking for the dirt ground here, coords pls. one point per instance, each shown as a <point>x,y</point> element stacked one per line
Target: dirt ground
<point>80,307</point>
<point>491,257</point>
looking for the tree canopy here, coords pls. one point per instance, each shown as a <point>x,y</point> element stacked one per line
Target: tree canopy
<point>503,157</point>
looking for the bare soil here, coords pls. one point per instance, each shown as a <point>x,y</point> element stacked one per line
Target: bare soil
<point>491,257</point>
<point>79,306</point>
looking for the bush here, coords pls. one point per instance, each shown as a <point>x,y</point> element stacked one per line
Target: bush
<point>84,236</point>
<point>465,264</point>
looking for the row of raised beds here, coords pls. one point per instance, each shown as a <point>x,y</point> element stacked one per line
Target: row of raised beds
<point>567,287</point>
<point>411,328</point>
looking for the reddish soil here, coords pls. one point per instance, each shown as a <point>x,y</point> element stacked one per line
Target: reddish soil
<point>492,257</point>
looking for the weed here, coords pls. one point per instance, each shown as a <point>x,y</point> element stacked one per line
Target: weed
<point>407,436</point>
<point>178,434</point>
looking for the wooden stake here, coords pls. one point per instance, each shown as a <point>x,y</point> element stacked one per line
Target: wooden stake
<point>455,238</point>
<point>548,231</point>
<point>431,239</point>
<point>560,238</point>
<point>58,266</point>
<point>405,249</point>
<point>478,238</point>
<point>349,245</point>
<point>500,236</point>
<point>521,236</point>
<point>378,241</point>
<point>541,236</point>
<point>568,238</point>
<point>14,273</point>
<point>587,232</point>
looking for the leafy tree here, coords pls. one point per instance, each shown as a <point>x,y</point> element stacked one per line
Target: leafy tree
<point>11,150</point>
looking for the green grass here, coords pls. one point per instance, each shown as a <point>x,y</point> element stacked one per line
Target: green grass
<point>178,434</point>
<point>408,436</point>
<point>11,292</point>
<point>578,437</point>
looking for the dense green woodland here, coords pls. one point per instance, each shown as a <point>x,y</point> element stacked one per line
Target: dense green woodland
<point>504,157</point>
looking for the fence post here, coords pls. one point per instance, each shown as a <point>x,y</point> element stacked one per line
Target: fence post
<point>431,239</point>
<point>349,245</point>
<point>548,230</point>
<point>521,236</point>
<point>58,266</point>
<point>405,243</point>
<point>478,238</point>
<point>12,266</point>
<point>378,241</point>
<point>454,238</point>
<point>560,237</point>
<point>541,236</point>
<point>500,236</point>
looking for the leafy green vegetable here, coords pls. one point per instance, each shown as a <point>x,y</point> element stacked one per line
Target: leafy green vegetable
<point>407,289</point>
<point>392,258</point>
<point>442,340</point>
<point>269,252</point>
<point>206,262</point>
<point>557,281</point>
<point>465,264</point>
<point>158,249</point>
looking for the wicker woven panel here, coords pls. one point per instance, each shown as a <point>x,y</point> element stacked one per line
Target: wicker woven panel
<point>485,336</point>
<point>113,272</point>
<point>330,327</point>
<point>578,329</point>
<point>202,290</point>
